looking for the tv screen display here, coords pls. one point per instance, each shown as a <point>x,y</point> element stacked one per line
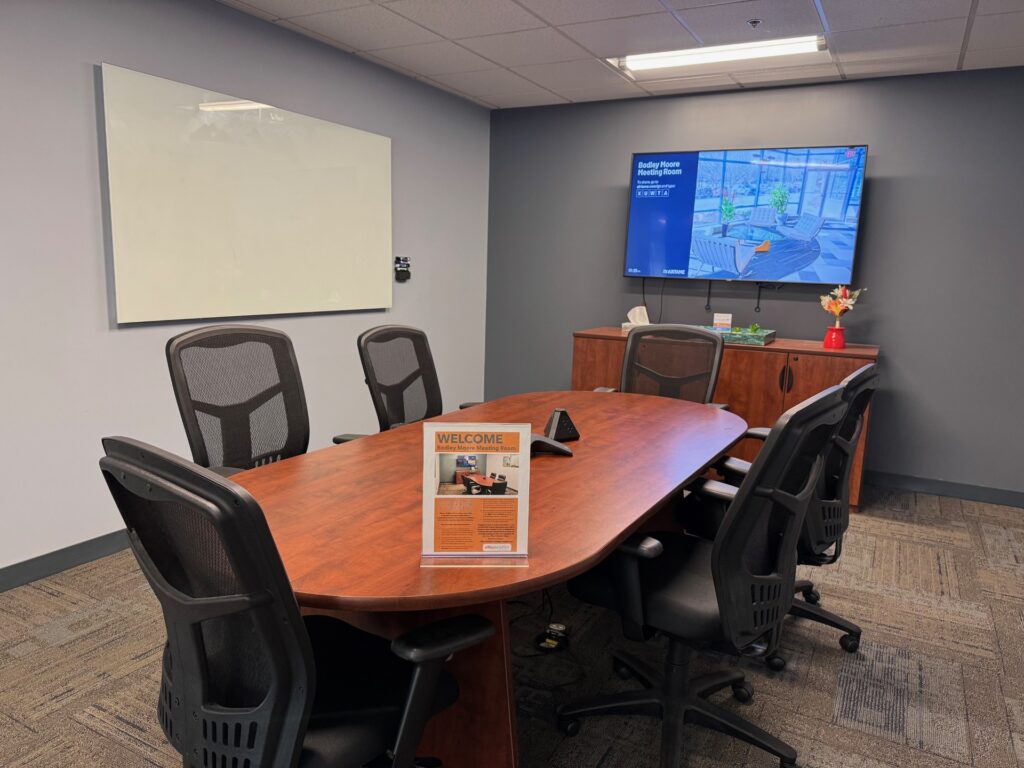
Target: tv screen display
<point>785,215</point>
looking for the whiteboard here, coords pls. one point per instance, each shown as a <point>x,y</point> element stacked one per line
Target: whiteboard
<point>225,207</point>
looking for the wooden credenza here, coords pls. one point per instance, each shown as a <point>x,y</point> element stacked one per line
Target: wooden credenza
<point>758,383</point>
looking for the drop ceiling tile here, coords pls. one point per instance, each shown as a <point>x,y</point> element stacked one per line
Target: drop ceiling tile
<point>725,24</point>
<point>626,91</point>
<point>467,18</point>
<point>843,15</point>
<point>247,8</point>
<point>1002,30</point>
<point>536,100</point>
<point>683,4</point>
<point>899,42</point>
<point>286,9</point>
<point>589,74</point>
<point>690,84</point>
<point>999,6</point>
<point>367,28</point>
<point>532,46</point>
<point>557,12</point>
<point>440,58</point>
<point>784,75</point>
<point>490,83</point>
<point>994,57</point>
<point>638,34</point>
<point>907,66</point>
<point>288,24</point>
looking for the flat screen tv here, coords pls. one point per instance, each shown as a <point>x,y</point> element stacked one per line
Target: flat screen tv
<point>786,215</point>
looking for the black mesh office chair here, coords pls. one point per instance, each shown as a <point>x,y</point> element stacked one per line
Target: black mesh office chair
<point>680,361</point>
<point>247,682</point>
<point>240,396</point>
<point>730,594</point>
<point>400,375</point>
<point>471,486</point>
<point>499,487</point>
<point>828,516</point>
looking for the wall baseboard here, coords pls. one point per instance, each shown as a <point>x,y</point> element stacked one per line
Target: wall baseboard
<point>55,562</point>
<point>945,488</point>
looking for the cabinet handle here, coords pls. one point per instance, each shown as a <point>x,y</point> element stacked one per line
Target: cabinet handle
<point>790,380</point>
<point>782,378</point>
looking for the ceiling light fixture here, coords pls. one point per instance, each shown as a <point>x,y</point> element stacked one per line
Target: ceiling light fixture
<point>238,105</point>
<point>786,46</point>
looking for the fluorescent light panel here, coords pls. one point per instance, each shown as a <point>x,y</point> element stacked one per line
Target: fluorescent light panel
<point>786,46</point>
<point>231,106</point>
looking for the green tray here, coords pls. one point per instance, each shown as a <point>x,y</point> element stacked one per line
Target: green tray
<point>758,338</point>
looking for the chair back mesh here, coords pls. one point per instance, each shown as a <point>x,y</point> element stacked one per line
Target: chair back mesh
<point>238,676</point>
<point>240,395</point>
<point>754,554</point>
<point>680,361</point>
<point>828,515</point>
<point>400,374</point>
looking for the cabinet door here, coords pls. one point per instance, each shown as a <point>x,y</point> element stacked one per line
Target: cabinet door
<point>596,362</point>
<point>809,374</point>
<point>750,383</point>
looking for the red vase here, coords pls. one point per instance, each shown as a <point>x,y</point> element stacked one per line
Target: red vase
<point>835,338</point>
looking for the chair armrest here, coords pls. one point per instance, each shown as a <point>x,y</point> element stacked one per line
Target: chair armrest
<point>758,433</point>
<point>734,466</point>
<point>469,405</point>
<point>226,471</point>
<point>717,490</point>
<point>428,647</point>
<point>639,545</point>
<point>346,438</point>
<point>440,639</point>
<point>721,406</point>
<point>605,389</point>
<point>626,579</point>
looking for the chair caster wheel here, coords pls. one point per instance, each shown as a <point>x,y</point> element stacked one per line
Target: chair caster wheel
<point>775,663</point>
<point>743,692</point>
<point>569,727</point>
<point>811,596</point>
<point>850,643</point>
<point>621,670</point>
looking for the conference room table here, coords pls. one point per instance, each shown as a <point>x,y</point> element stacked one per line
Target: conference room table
<point>351,544</point>
<point>482,480</point>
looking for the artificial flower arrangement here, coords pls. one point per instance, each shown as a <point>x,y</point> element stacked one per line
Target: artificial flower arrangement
<point>840,301</point>
<point>837,303</point>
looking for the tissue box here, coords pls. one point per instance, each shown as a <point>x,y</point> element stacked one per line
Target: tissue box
<point>631,326</point>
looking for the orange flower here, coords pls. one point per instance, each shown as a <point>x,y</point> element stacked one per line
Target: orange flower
<point>836,307</point>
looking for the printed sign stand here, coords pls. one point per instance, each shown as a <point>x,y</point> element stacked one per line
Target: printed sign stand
<point>476,493</point>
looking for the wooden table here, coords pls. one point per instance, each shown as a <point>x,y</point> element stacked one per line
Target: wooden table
<point>481,480</point>
<point>351,545</point>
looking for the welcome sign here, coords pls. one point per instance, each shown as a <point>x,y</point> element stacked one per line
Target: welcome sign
<point>476,490</point>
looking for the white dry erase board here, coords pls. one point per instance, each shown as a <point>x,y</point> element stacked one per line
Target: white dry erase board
<point>225,207</point>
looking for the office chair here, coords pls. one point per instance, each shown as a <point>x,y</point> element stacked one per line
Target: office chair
<point>501,477</point>
<point>494,475</point>
<point>499,488</point>
<point>246,680</point>
<point>471,486</point>
<point>400,375</point>
<point>680,361</point>
<point>828,516</point>
<point>240,396</point>
<point>730,594</point>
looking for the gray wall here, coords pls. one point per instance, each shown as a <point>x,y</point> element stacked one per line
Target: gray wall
<point>68,376</point>
<point>940,250</point>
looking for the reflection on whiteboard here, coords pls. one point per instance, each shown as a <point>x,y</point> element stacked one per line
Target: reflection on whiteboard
<point>224,207</point>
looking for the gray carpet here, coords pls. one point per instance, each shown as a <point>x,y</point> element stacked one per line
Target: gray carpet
<point>937,584</point>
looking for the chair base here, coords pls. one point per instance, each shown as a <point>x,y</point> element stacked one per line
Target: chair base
<point>677,700</point>
<point>809,608</point>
